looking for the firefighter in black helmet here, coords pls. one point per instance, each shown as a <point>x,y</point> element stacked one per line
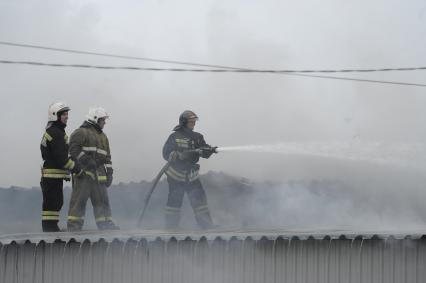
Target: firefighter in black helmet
<point>182,174</point>
<point>57,166</point>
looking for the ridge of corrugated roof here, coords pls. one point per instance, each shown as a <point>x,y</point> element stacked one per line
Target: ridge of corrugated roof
<point>209,235</point>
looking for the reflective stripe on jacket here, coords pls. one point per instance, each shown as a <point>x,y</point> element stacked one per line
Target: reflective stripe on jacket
<point>55,173</point>
<point>182,176</point>
<point>182,140</point>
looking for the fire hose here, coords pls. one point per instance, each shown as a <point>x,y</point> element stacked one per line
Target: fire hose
<point>199,151</point>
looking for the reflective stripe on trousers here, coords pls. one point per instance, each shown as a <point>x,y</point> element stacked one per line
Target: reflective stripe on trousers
<point>50,215</point>
<point>172,210</point>
<point>85,187</point>
<point>201,209</point>
<point>75,218</point>
<point>103,219</point>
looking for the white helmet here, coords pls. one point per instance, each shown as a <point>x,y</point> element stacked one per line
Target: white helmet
<point>96,113</point>
<point>54,109</point>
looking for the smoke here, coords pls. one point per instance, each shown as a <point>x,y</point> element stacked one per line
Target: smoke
<point>393,204</point>
<point>338,153</point>
<point>234,108</point>
<point>375,202</point>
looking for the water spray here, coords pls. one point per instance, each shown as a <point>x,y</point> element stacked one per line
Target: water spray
<point>411,155</point>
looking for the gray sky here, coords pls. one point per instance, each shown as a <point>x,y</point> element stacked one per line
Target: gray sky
<point>234,109</point>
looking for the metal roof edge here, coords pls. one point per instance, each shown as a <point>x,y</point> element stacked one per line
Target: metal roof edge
<point>208,235</point>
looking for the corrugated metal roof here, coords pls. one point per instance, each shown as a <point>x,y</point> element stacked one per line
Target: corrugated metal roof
<point>152,235</point>
<point>231,256</point>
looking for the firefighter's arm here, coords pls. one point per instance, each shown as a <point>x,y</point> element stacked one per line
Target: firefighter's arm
<point>170,148</point>
<point>77,154</point>
<point>108,163</point>
<point>206,149</point>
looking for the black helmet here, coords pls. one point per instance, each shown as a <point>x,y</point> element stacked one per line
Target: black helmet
<point>184,117</point>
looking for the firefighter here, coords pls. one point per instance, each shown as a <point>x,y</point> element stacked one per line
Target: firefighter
<point>56,166</point>
<point>90,147</point>
<point>180,150</point>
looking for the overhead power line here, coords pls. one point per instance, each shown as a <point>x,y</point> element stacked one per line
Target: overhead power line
<point>369,70</point>
<point>32,63</point>
<point>113,55</point>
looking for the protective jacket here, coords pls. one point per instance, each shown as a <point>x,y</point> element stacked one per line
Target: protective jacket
<point>56,167</point>
<point>54,151</point>
<point>184,169</point>
<point>90,147</point>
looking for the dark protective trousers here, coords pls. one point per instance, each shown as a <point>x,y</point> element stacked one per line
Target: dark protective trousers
<point>85,187</point>
<point>53,199</point>
<point>197,198</point>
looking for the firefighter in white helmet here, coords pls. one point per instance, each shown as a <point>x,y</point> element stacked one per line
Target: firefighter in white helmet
<point>56,166</point>
<point>90,147</point>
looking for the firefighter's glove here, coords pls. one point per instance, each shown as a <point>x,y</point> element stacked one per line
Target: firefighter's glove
<point>207,152</point>
<point>109,172</point>
<point>76,169</point>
